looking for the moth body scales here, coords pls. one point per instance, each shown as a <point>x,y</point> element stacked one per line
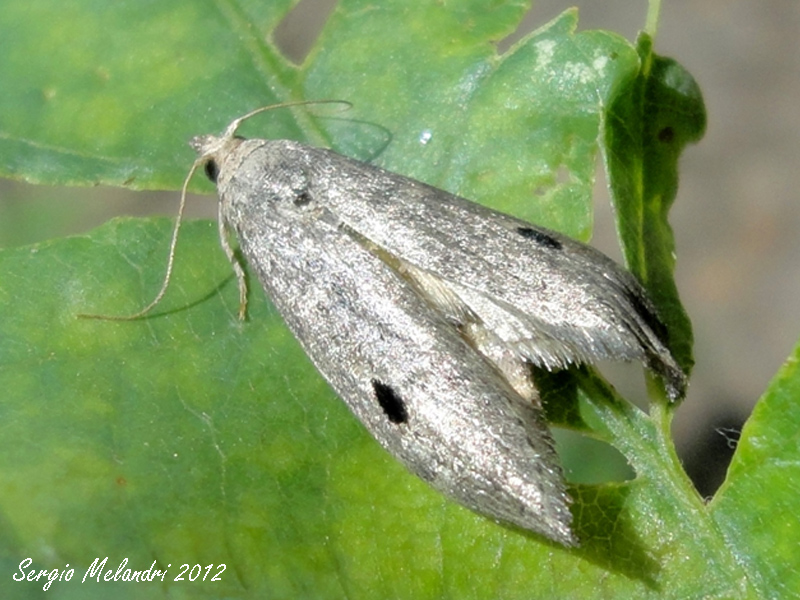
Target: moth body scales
<point>424,312</point>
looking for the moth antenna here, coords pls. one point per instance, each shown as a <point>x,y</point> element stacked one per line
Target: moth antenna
<point>230,131</point>
<point>170,259</point>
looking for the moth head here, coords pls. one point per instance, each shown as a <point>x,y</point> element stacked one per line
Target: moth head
<point>210,148</point>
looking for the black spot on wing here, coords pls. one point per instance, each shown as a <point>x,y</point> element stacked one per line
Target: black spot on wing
<point>540,237</point>
<point>661,361</point>
<point>302,198</point>
<point>650,318</point>
<point>390,402</point>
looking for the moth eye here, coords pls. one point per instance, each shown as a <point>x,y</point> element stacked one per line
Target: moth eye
<point>390,402</point>
<point>212,170</point>
<point>539,237</point>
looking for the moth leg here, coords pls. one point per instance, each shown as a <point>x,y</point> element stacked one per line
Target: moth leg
<point>237,267</point>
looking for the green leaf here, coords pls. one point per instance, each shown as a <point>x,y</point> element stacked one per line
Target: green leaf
<point>193,437</point>
<point>502,128</point>
<point>757,506</point>
<point>649,123</point>
<point>131,84</point>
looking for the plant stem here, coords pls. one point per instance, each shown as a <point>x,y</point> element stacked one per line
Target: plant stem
<point>651,22</point>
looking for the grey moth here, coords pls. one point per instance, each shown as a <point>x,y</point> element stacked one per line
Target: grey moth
<point>425,311</point>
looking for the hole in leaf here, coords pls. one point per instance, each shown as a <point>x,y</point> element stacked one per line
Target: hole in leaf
<point>666,135</point>
<point>590,461</point>
<point>299,30</point>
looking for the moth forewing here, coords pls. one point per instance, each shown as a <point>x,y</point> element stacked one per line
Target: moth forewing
<point>560,301</point>
<point>408,374</point>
